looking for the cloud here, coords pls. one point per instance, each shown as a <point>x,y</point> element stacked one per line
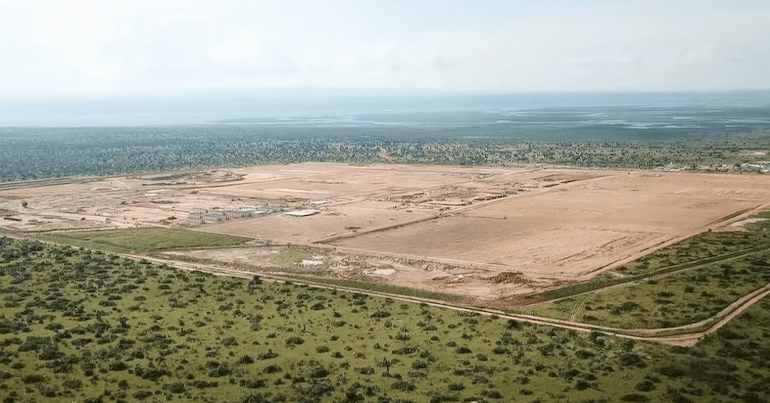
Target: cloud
<point>152,47</point>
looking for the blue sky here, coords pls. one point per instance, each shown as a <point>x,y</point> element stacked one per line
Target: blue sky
<point>151,48</point>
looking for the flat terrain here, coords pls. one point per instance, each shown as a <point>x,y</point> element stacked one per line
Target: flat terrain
<point>92,327</point>
<point>486,232</point>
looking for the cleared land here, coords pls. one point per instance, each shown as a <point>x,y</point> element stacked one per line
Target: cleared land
<point>490,233</point>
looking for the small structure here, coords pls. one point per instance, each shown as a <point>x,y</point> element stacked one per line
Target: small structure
<point>302,213</point>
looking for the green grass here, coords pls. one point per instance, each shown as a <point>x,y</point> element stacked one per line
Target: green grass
<point>677,299</point>
<point>85,326</point>
<point>701,249</point>
<point>290,257</point>
<point>142,240</point>
<point>704,246</point>
<point>390,289</point>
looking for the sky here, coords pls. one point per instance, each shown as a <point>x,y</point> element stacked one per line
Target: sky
<point>112,49</point>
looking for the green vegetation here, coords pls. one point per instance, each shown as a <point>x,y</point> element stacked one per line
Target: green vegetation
<point>389,289</point>
<point>85,326</point>
<point>701,249</point>
<point>136,240</point>
<point>678,299</point>
<point>682,284</point>
<point>49,153</point>
<point>290,257</point>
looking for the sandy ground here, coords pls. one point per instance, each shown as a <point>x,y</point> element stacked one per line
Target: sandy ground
<point>487,232</point>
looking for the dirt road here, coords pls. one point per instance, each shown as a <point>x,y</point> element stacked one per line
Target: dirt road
<point>687,335</point>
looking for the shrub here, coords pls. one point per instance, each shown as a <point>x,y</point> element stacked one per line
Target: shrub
<point>584,384</point>
<point>584,354</point>
<point>380,313</point>
<point>629,359</point>
<point>645,385</point>
<point>295,341</point>
<point>176,387</point>
<point>673,371</point>
<point>117,366</point>
<point>246,359</point>
<point>405,386</point>
<point>230,341</point>
<point>319,372</point>
<point>365,370</point>
<point>151,374</point>
<point>267,354</point>
<point>634,397</point>
<point>405,350</point>
<point>220,371</point>
<point>271,369</point>
<point>33,378</point>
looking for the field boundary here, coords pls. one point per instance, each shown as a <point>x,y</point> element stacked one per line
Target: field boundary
<point>619,281</point>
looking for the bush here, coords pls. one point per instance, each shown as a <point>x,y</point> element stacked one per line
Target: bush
<point>628,359</point>
<point>230,341</point>
<point>33,378</point>
<point>365,370</point>
<point>405,350</point>
<point>380,313</point>
<point>634,397</point>
<point>456,386</point>
<point>176,387</point>
<point>246,359</point>
<point>405,386</point>
<point>220,371</point>
<point>584,354</point>
<point>151,374</point>
<point>295,341</point>
<point>673,371</point>
<point>271,369</point>
<point>645,385</point>
<point>117,366</point>
<point>203,384</point>
<point>267,354</point>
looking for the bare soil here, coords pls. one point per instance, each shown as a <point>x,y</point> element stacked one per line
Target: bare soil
<point>492,233</point>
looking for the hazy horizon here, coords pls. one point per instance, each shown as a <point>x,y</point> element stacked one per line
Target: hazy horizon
<point>196,109</point>
<point>109,50</point>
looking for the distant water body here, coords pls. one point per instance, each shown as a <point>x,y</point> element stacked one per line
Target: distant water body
<point>95,138</point>
<point>601,115</point>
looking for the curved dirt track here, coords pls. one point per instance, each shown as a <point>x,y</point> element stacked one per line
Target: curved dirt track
<point>687,335</point>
